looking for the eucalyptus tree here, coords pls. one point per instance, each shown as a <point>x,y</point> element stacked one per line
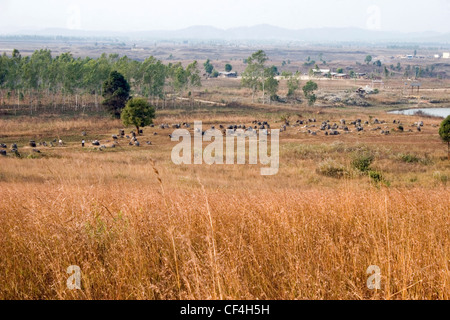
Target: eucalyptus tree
<point>153,75</point>
<point>253,76</point>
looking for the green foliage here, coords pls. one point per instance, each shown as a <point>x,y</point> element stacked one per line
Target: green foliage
<point>309,87</point>
<point>293,84</point>
<point>193,75</point>
<point>409,158</point>
<point>270,83</point>
<point>138,112</point>
<point>368,59</point>
<point>208,67</point>
<point>257,77</point>
<point>252,76</point>
<point>153,74</point>
<point>444,130</point>
<point>274,71</point>
<point>228,67</point>
<point>444,133</point>
<point>116,92</point>
<point>362,161</point>
<point>312,98</point>
<point>339,70</point>
<point>376,176</point>
<point>184,79</point>
<point>65,75</point>
<point>215,74</point>
<point>308,90</point>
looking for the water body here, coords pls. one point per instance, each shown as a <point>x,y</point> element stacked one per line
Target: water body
<point>436,112</point>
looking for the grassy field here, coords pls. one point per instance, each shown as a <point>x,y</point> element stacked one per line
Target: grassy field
<point>140,227</point>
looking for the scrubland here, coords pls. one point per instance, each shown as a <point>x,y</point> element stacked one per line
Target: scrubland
<point>140,227</point>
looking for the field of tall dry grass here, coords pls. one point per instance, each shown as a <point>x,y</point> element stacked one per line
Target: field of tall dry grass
<point>140,227</point>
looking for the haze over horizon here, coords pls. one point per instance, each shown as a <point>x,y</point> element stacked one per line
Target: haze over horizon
<point>135,15</point>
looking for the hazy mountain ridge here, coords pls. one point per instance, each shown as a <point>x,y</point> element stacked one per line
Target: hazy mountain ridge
<point>262,32</point>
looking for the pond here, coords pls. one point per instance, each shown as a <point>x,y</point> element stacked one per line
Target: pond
<point>436,112</point>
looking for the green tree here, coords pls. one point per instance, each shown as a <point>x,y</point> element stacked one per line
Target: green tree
<point>419,72</point>
<point>193,75</point>
<point>293,84</point>
<point>116,92</point>
<point>3,69</point>
<point>153,76</point>
<point>386,72</point>
<point>273,71</point>
<point>208,67</point>
<point>228,67</point>
<point>270,83</point>
<point>138,112</point>
<point>253,75</point>
<point>308,90</point>
<point>368,59</point>
<point>340,70</point>
<point>444,133</point>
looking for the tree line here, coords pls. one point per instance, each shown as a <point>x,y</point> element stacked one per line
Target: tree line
<point>65,79</point>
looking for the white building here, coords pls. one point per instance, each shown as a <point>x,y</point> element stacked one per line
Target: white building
<point>446,55</point>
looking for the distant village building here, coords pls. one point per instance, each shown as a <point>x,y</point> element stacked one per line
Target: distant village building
<point>341,76</point>
<point>321,72</point>
<point>446,55</point>
<point>225,74</point>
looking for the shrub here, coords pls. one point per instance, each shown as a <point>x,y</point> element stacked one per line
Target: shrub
<point>331,168</point>
<point>376,176</point>
<point>362,161</point>
<point>441,177</point>
<point>409,158</point>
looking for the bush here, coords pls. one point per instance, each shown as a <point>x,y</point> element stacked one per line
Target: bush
<point>409,158</point>
<point>330,168</point>
<point>362,161</point>
<point>376,176</point>
<point>34,156</point>
<point>441,177</point>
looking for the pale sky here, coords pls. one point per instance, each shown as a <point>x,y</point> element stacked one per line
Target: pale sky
<point>136,15</point>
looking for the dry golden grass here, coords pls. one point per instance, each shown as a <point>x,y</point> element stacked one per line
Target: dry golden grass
<point>135,243</point>
<point>152,230</point>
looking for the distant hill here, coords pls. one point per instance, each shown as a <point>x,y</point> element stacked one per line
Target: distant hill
<point>262,32</point>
